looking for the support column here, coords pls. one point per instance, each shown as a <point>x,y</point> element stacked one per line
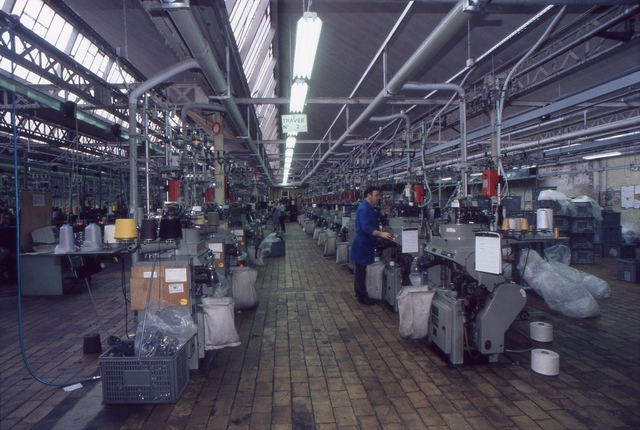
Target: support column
<point>218,144</point>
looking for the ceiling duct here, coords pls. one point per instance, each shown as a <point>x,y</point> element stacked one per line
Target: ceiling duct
<point>448,27</point>
<point>200,49</point>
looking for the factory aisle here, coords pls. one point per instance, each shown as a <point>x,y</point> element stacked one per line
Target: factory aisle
<point>312,357</point>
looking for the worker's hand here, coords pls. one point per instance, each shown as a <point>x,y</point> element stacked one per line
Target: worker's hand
<point>387,235</point>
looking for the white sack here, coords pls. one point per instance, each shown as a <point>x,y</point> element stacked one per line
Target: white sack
<point>414,309</point>
<point>375,276</point>
<point>219,326</point>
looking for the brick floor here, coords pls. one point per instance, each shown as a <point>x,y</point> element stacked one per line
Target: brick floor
<point>313,358</point>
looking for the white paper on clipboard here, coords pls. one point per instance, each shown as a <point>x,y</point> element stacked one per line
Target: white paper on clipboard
<point>489,253</point>
<point>410,243</point>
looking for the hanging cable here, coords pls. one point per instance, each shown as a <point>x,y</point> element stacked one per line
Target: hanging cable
<point>17,199</point>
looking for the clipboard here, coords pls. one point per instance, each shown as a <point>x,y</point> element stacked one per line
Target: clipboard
<point>489,253</point>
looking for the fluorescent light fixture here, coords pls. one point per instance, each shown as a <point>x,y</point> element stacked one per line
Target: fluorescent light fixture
<point>445,179</point>
<point>288,152</point>
<point>616,136</point>
<point>291,142</point>
<point>307,37</point>
<point>298,96</point>
<point>603,155</point>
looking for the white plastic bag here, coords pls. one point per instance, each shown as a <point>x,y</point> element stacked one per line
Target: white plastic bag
<point>219,326</point>
<point>342,253</point>
<point>414,309</point>
<point>330,246</point>
<point>243,290</point>
<point>374,280</point>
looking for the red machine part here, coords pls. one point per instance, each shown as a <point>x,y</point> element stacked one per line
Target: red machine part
<point>490,183</point>
<point>174,190</point>
<point>418,194</point>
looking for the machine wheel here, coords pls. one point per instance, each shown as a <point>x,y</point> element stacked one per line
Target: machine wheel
<point>524,315</point>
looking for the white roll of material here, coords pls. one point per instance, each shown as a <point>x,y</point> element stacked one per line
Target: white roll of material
<point>540,331</point>
<point>545,362</point>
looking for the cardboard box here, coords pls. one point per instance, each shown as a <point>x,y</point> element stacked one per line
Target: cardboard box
<point>170,284</point>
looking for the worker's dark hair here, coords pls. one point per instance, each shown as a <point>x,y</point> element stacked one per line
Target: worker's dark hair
<point>369,190</point>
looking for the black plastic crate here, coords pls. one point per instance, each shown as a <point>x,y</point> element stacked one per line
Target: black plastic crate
<point>598,249</point>
<point>611,235</point>
<point>583,225</point>
<point>610,219</point>
<point>512,205</point>
<point>583,209</point>
<point>127,380</point>
<point>562,223</point>
<point>629,270</point>
<point>581,257</point>
<point>616,250</point>
<point>582,241</point>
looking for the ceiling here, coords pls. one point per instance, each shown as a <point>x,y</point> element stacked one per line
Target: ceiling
<point>370,47</point>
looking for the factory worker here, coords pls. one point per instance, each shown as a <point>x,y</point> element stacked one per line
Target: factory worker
<point>362,248</point>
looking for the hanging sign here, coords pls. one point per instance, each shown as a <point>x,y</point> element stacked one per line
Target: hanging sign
<point>295,123</point>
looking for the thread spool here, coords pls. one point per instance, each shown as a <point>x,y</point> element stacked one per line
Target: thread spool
<point>505,224</point>
<point>524,226</point>
<point>92,238</point>
<point>92,343</point>
<point>213,219</point>
<point>544,219</point>
<point>170,229</point>
<point>66,239</point>
<point>109,234</point>
<point>149,229</point>
<point>515,223</point>
<point>174,190</point>
<point>545,362</point>
<point>540,331</point>
<point>126,229</point>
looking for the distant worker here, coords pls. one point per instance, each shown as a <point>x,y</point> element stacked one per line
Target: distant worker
<point>283,214</point>
<point>362,248</point>
<point>276,216</point>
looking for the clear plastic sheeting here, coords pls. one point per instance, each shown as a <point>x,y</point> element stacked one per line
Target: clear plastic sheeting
<point>166,328</point>
<point>219,326</point>
<point>563,288</point>
<point>272,246</point>
<point>630,233</point>
<point>243,290</point>
<point>567,208</point>
<point>558,254</point>
<point>222,289</point>
<point>414,310</point>
<point>374,280</point>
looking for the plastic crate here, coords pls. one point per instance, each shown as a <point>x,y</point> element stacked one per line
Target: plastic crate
<point>582,241</point>
<point>147,380</point>
<point>629,270</point>
<point>616,250</point>
<point>562,223</point>
<point>581,257</point>
<point>610,219</point>
<point>598,249</point>
<point>583,209</point>
<point>611,235</point>
<point>583,225</point>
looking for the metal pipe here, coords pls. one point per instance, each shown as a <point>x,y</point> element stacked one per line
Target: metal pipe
<point>200,49</point>
<point>133,139</point>
<point>447,28</point>
<point>463,121</point>
<point>407,129</point>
